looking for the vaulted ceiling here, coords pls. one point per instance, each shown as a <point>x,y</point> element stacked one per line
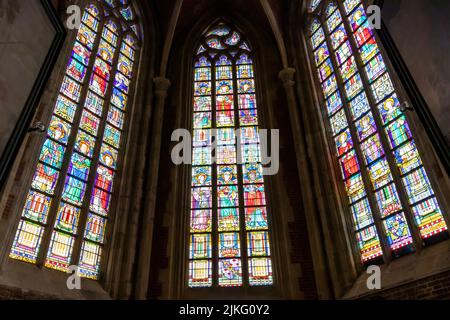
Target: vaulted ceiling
<point>192,10</point>
<point>175,18</point>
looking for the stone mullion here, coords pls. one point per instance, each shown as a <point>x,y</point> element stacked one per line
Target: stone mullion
<point>117,181</point>
<point>357,147</point>
<point>395,171</point>
<point>95,157</point>
<point>161,86</point>
<point>56,199</point>
<point>239,164</point>
<point>214,208</point>
<point>267,204</point>
<point>344,199</point>
<point>402,95</point>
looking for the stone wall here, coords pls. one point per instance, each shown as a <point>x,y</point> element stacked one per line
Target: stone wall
<point>26,35</point>
<point>416,27</point>
<point>434,287</point>
<point>9,293</point>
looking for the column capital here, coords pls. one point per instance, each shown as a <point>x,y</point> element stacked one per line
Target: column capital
<point>161,86</point>
<point>287,77</point>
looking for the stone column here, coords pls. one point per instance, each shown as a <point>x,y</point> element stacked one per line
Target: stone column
<point>145,251</point>
<point>320,267</point>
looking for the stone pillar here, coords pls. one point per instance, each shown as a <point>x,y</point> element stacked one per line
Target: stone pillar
<point>313,224</point>
<point>145,251</point>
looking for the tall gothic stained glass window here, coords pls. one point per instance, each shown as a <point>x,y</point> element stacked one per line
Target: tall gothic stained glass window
<point>392,203</point>
<point>67,209</point>
<point>229,231</point>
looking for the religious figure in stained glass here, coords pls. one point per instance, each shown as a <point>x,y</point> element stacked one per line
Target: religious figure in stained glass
<point>103,47</point>
<point>366,127</point>
<point>221,188</point>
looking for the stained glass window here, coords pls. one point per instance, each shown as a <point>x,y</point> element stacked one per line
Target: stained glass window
<point>315,4</point>
<point>229,241</point>
<point>68,206</point>
<point>390,195</point>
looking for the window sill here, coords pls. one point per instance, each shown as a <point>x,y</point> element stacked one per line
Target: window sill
<point>430,261</point>
<point>47,283</point>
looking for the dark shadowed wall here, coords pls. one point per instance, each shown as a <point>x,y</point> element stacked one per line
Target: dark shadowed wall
<point>26,35</point>
<point>420,30</point>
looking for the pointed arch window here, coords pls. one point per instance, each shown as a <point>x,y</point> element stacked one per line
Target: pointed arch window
<point>67,208</point>
<point>392,203</point>
<point>229,228</point>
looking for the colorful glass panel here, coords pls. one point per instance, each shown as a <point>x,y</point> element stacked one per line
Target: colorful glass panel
<point>348,69</point>
<point>397,231</point>
<point>100,201</point>
<point>344,143</point>
<point>125,66</point>
<point>407,157</point>
<point>89,264</point>
<point>27,242</point>
<point>116,117</point>
<point>353,86</point>
<point>362,214</point>
<point>89,123</point>
<point>417,186</point>
<point>98,85</point>
<point>86,114</point>
<point>338,37</point>
<point>375,68</point>
<point>368,50</point>
<point>79,167</point>
<point>359,106</point>
<point>388,201</point>
<point>106,51</point>
<point>201,221</point>
<point>95,228</point>
<point>200,273</point>
<point>366,127</point>
<point>74,191</point>
<point>317,38</point>
<point>102,68</point>
<point>81,53</point>
<point>335,19</point>
<point>65,108</point>
<point>52,154</point>
<point>71,89</point>
<point>369,243</point>
<point>128,51</point>
<point>372,149</point>
<point>200,246</point>
<point>86,36</point>
<point>382,87</point>
<point>260,272</point>
<point>363,34</point>
<point>217,182</point>
<point>321,54</point>
<point>67,218</point>
<point>258,244</point>
<point>111,136</point>
<point>333,103</point>
<point>230,273</point>
<point>60,251</point>
<point>338,122</point>
<point>108,156</point>
<point>428,217</point>
<point>45,179</point>
<point>229,245</point>
<point>76,70</point>
<point>37,207</point>
<point>119,99</point>
<point>398,132</point>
